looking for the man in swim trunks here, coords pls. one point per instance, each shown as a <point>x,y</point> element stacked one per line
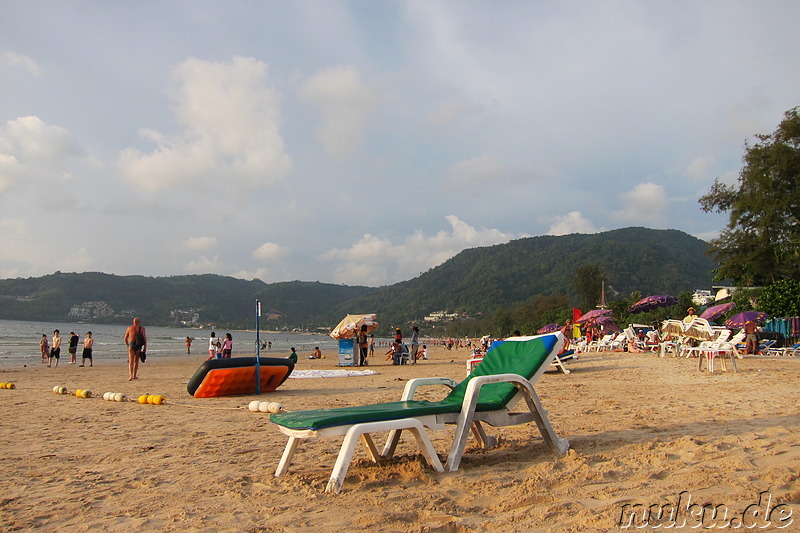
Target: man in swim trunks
<point>133,352</point>
<point>88,342</point>
<point>55,351</point>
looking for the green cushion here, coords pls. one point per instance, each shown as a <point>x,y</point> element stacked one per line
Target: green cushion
<point>514,357</point>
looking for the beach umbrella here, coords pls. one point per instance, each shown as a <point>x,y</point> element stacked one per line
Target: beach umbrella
<point>652,302</point>
<point>608,324</point>
<point>717,311</point>
<point>549,328</point>
<point>350,326</point>
<point>592,316</point>
<point>738,321</point>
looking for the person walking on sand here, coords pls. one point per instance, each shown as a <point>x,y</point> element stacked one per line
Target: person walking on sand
<point>73,347</point>
<point>55,351</point>
<point>44,347</point>
<point>136,341</point>
<point>88,342</point>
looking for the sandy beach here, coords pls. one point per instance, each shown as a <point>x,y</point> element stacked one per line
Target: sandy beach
<point>643,430</point>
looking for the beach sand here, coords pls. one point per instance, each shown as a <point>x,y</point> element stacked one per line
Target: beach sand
<point>642,430</point>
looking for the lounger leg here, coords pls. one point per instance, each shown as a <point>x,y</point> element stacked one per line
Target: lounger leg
<point>553,441</point>
<point>286,458</point>
<point>343,460</point>
<point>459,440</point>
<point>486,441</point>
<point>366,440</point>
<point>391,443</point>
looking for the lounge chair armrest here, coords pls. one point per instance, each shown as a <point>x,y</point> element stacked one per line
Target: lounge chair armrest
<point>413,384</point>
<point>475,384</point>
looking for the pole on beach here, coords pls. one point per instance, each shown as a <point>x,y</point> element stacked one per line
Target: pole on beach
<point>258,348</point>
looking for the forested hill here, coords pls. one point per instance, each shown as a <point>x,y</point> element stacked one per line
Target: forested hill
<point>483,280</point>
<point>478,280</point>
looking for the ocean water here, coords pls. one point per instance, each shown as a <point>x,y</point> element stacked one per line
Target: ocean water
<point>19,341</point>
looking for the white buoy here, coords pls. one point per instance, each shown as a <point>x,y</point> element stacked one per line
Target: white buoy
<point>253,406</point>
<point>263,407</point>
<point>119,397</point>
<point>275,407</point>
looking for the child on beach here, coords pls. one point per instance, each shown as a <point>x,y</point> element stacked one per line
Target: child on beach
<point>88,342</point>
<point>44,347</point>
<point>293,356</point>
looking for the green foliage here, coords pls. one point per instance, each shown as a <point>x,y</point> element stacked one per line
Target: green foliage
<point>588,284</point>
<point>761,243</point>
<point>781,299</point>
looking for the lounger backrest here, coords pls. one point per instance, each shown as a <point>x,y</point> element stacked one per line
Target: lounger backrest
<point>519,357</point>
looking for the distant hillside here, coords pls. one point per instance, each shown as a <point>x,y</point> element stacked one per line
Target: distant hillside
<point>478,280</point>
<point>220,300</point>
<point>483,280</point>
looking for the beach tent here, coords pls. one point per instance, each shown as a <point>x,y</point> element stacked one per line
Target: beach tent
<point>351,325</point>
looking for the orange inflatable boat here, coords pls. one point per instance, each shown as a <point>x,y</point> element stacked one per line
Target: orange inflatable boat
<point>237,375</point>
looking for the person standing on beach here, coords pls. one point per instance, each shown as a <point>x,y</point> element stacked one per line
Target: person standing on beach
<point>55,351</point>
<point>44,347</point>
<point>371,345</point>
<point>213,344</point>
<point>414,344</point>
<point>227,346</point>
<point>363,346</point>
<point>88,342</point>
<point>136,341</point>
<point>73,347</point>
<point>188,346</point>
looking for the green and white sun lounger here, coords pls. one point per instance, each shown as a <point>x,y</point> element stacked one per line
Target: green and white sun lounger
<point>506,375</point>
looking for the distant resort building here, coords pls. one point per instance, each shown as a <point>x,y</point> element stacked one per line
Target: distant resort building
<point>442,316</point>
<point>90,310</point>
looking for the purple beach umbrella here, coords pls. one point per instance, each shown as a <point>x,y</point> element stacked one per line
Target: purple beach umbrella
<point>549,328</point>
<point>717,311</point>
<point>593,315</point>
<point>739,320</point>
<point>652,302</point>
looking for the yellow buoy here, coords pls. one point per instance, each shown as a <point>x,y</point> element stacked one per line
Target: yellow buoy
<point>158,399</point>
<point>79,393</point>
<point>143,399</point>
<point>10,386</point>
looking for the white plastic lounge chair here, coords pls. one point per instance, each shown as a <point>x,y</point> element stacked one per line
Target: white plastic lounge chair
<point>506,375</point>
<point>786,350</point>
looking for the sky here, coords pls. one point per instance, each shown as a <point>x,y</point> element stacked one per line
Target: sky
<point>364,142</point>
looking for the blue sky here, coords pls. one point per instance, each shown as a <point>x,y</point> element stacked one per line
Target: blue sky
<point>366,142</point>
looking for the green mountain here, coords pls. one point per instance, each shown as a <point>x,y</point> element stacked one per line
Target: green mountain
<point>483,280</point>
<point>476,281</point>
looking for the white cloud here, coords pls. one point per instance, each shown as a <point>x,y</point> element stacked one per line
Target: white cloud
<point>486,169</point>
<point>204,265</point>
<point>260,273</point>
<point>644,204</point>
<point>268,251</point>
<point>572,222</point>
<point>230,123</point>
<point>700,167</point>
<point>345,102</point>
<point>22,61</point>
<point>34,142</point>
<point>202,244</point>
<point>376,261</point>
